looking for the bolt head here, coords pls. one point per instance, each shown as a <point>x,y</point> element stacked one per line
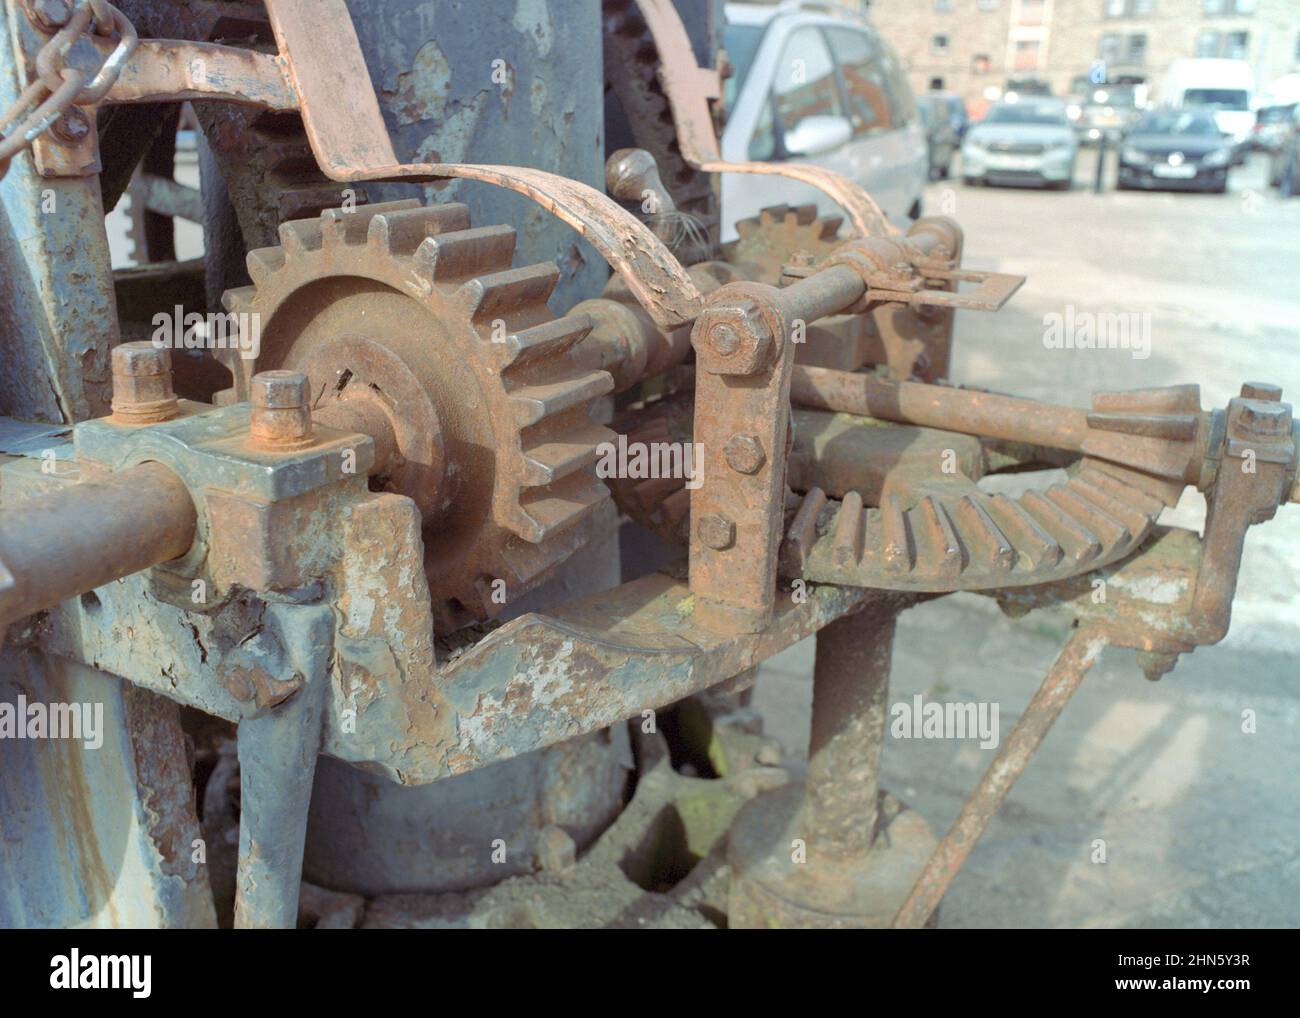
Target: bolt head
<point>732,337</point>
<point>72,128</point>
<point>140,359</point>
<point>724,340</point>
<point>716,532</point>
<point>745,454</point>
<point>282,390</point>
<point>142,383</point>
<point>52,13</point>
<point>281,417</point>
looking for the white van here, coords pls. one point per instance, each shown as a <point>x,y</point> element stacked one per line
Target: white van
<point>816,85</point>
<point>1225,86</point>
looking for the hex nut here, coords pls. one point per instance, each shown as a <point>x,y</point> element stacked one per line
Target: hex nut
<point>142,383</point>
<point>281,415</point>
<point>745,454</point>
<point>716,532</point>
<point>732,337</point>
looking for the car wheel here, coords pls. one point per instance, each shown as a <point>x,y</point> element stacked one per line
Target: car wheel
<point>970,181</point>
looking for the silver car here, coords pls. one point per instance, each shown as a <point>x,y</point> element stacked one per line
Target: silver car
<point>1029,141</point>
<point>817,87</point>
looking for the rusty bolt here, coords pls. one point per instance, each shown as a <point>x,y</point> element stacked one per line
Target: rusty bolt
<point>732,337</point>
<point>142,383</point>
<point>724,340</point>
<point>716,532</point>
<point>281,415</point>
<point>72,128</point>
<point>1262,390</point>
<point>1264,419</point>
<point>51,14</point>
<point>744,454</point>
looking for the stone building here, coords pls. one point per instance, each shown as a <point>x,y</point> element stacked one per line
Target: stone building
<point>973,46</point>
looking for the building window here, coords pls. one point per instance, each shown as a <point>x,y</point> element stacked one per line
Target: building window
<point>939,45</point>
<point>943,6</point>
<point>980,63</point>
<point>1115,48</point>
<point>1031,12</point>
<point>1231,45</point>
<point>1212,7</point>
<point>1126,8</point>
<point>987,5</point>
<point>1026,55</point>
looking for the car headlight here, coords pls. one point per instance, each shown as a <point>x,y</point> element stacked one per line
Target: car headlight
<point>1129,154</point>
<point>1219,157</point>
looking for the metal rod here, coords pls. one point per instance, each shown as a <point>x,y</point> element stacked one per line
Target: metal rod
<point>985,414</point>
<point>71,540</point>
<point>849,711</point>
<point>1078,655</point>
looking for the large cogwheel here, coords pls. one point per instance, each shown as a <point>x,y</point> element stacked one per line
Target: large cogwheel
<point>411,310</point>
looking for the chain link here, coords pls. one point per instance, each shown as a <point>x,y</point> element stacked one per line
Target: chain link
<point>57,87</point>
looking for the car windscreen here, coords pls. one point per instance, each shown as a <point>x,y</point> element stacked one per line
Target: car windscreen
<point>1221,98</point>
<point>1017,114</point>
<point>1193,124</point>
<point>1276,114</point>
<point>741,43</point>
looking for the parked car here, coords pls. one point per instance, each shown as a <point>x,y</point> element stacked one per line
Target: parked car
<point>1021,142</point>
<point>1272,127</point>
<point>1284,163</point>
<point>1179,149</point>
<point>941,136</point>
<point>1107,111</point>
<point>1024,87</point>
<point>819,87</point>
<point>1225,87</point>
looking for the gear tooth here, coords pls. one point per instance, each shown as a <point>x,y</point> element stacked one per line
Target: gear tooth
<point>462,254</point>
<point>772,215</point>
<point>554,457</point>
<point>828,227</point>
<point>496,294</point>
<point>535,403</point>
<point>802,533</point>
<point>263,262</point>
<point>300,235</point>
<point>240,299</point>
<point>747,227</point>
<point>402,231</point>
<point>802,214</point>
<point>546,511</point>
<point>349,226</point>
<point>550,339</point>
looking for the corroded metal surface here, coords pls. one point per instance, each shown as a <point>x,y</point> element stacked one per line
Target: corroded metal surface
<point>330,74</point>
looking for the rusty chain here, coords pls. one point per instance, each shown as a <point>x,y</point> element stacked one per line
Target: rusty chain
<point>57,87</point>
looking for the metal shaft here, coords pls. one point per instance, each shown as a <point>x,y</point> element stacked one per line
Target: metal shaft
<point>1079,654</point>
<point>984,414</point>
<point>74,539</point>
<point>850,690</point>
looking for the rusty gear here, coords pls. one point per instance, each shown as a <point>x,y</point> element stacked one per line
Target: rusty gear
<point>770,239</point>
<point>422,317</point>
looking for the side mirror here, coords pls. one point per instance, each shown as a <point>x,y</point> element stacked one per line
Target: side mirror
<point>815,135</point>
